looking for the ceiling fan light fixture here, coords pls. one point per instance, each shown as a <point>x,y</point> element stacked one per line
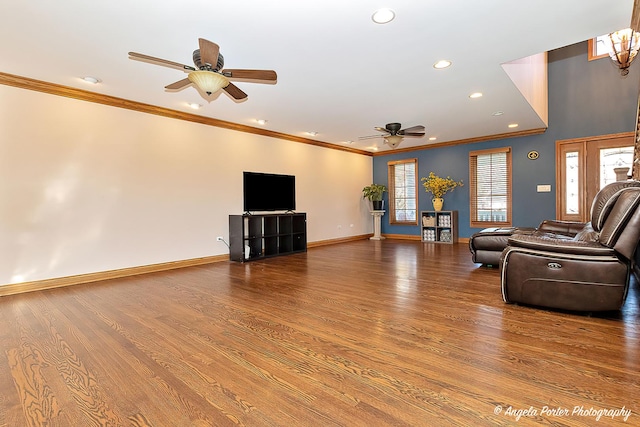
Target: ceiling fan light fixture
<point>208,81</point>
<point>383,16</point>
<point>393,140</point>
<point>623,48</point>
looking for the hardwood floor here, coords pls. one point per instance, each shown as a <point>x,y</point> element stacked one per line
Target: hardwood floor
<point>357,334</point>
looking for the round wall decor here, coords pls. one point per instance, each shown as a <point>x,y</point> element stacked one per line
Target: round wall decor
<point>532,155</point>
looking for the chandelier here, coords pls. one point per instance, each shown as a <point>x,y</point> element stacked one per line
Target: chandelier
<point>623,48</point>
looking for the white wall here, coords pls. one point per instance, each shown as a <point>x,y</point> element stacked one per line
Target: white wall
<point>87,188</point>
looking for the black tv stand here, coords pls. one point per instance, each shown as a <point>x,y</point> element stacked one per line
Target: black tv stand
<point>258,236</point>
<point>247,213</point>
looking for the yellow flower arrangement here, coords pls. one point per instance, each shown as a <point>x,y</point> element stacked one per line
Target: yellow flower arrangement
<point>439,186</point>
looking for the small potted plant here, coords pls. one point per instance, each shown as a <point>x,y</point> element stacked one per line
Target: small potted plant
<point>439,187</point>
<point>374,193</point>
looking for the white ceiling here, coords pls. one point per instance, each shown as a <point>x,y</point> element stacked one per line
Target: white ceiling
<point>339,73</point>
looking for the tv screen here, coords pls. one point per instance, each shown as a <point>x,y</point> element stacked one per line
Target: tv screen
<point>269,192</point>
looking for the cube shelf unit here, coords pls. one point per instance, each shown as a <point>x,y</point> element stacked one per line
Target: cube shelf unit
<point>254,237</point>
<point>439,226</point>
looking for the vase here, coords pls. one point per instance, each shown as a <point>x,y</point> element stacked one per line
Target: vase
<point>378,205</point>
<point>437,203</point>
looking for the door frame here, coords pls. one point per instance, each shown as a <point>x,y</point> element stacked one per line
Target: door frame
<point>589,173</point>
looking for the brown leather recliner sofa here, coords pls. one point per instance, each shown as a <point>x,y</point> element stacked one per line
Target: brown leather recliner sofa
<point>559,267</point>
<point>487,245</point>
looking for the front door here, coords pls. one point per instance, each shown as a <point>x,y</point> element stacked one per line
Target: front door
<point>584,166</point>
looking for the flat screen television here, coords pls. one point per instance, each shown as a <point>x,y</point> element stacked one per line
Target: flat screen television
<point>268,192</point>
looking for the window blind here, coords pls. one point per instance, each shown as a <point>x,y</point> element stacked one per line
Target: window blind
<point>403,196</point>
<point>490,187</point>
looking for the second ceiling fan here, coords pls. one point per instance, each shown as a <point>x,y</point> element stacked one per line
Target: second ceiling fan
<point>209,74</point>
<point>394,133</point>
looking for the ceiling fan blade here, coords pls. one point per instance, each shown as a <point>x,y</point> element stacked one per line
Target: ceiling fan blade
<point>235,92</point>
<point>412,134</point>
<point>406,131</point>
<point>159,61</point>
<point>179,84</point>
<point>370,137</point>
<point>209,52</point>
<point>266,75</point>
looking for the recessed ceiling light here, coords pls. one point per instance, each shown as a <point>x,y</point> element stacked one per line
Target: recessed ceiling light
<point>194,105</point>
<point>513,125</point>
<point>261,121</point>
<point>475,95</point>
<point>348,142</point>
<point>92,80</point>
<point>383,16</point>
<point>497,113</point>
<point>312,133</point>
<point>433,138</point>
<point>443,63</point>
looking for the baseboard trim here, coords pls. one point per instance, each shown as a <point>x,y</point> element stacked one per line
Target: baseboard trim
<point>402,236</point>
<point>58,282</point>
<point>338,240</point>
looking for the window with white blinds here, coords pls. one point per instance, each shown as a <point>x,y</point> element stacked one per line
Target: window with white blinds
<point>403,194</point>
<point>490,187</point>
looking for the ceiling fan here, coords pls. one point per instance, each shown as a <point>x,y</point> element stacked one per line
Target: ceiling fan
<point>394,135</point>
<point>208,74</point>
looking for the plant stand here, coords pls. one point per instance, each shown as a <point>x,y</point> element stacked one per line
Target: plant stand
<point>377,228</point>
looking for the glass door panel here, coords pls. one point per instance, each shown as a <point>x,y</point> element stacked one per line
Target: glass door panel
<point>570,205</point>
<point>612,159</point>
<point>572,183</point>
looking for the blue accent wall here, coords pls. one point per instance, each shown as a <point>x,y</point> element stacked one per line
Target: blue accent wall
<point>586,98</point>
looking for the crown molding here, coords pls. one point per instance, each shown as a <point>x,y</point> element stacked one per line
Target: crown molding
<point>495,137</point>
<point>98,98</point>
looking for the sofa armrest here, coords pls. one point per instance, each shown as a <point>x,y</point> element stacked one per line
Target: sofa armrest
<point>567,228</point>
<point>545,243</point>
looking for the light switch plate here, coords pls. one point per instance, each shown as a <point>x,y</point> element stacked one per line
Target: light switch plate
<point>544,188</point>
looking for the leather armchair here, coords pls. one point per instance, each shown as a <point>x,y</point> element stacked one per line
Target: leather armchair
<point>576,266</point>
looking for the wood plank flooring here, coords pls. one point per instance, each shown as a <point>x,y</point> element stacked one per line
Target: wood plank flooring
<point>389,333</point>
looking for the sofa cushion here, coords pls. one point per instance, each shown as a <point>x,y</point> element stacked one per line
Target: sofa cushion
<point>604,201</point>
<point>559,245</point>
<point>623,219</point>
<point>566,228</point>
<point>587,234</point>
